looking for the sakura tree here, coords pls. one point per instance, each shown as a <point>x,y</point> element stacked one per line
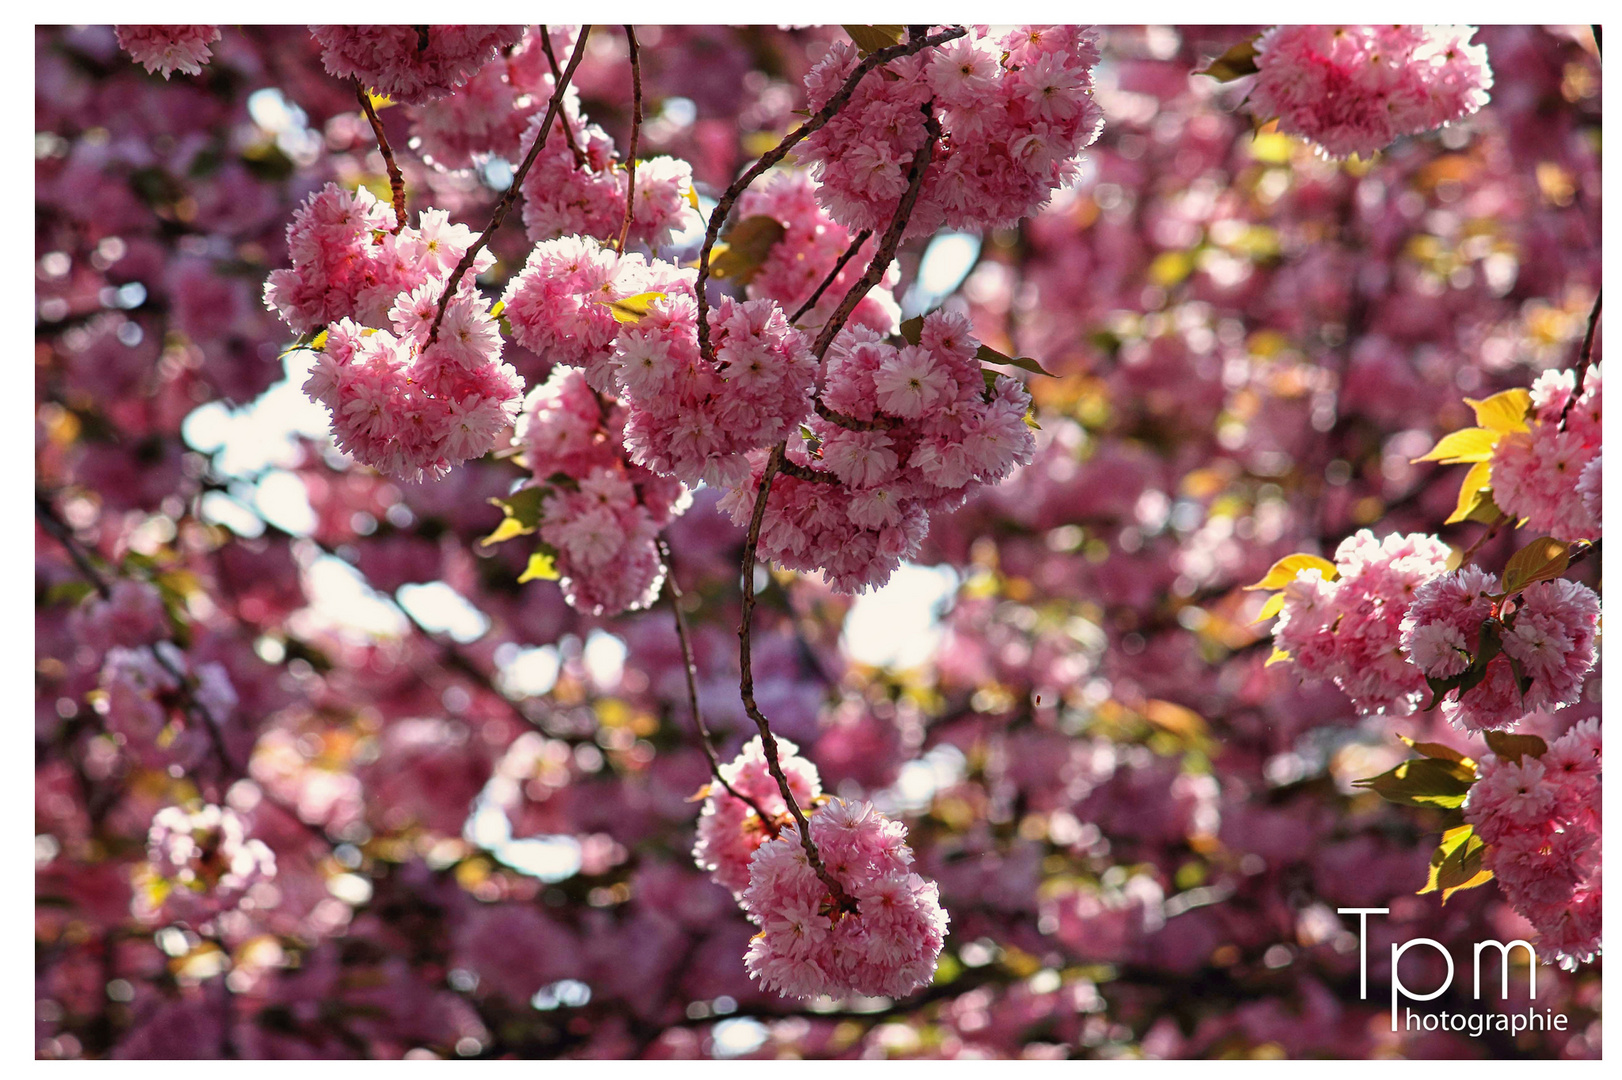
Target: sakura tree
<point>682,541</point>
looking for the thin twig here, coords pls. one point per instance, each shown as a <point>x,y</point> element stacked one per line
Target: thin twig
<point>1584,358</point>
<point>510,196</point>
<point>790,467</point>
<point>557,77</point>
<point>1492,531</point>
<point>190,704</point>
<point>774,464</point>
<point>723,206</point>
<point>746,687</point>
<point>690,669</point>
<point>850,252</point>
<point>876,268</point>
<point>636,132</point>
<point>396,178</point>
<point>63,534</point>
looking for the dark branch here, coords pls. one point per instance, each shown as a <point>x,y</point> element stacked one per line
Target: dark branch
<point>723,207</point>
<point>636,131</point>
<point>396,178</point>
<point>510,196</point>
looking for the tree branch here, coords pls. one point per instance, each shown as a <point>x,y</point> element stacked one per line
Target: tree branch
<point>510,196</point>
<point>557,77</point>
<point>636,131</point>
<point>723,206</point>
<point>396,178</point>
<point>850,252</point>
<point>690,669</point>
<point>1584,358</point>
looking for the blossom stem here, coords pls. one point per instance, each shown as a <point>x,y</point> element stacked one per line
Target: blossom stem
<point>690,669</point>
<point>723,206</point>
<point>1584,359</point>
<point>510,196</point>
<point>1492,531</point>
<point>396,177</point>
<point>636,131</point>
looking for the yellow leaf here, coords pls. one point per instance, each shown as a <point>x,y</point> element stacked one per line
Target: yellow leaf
<point>541,566</point>
<point>1471,444</point>
<point>1285,570</point>
<point>379,101</point>
<point>633,309</point>
<point>1274,605</point>
<point>1171,267</point>
<point>1503,412</point>
<point>1476,482</point>
<point>1278,657</point>
<point>692,196</point>
<point>509,528</point>
<point>497,308</point>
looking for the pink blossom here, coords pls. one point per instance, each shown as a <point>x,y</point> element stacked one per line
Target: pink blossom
<point>1356,89</point>
<point>167,49</point>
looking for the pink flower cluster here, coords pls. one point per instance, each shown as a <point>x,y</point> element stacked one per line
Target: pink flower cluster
<point>204,861</point>
<point>487,116</point>
<point>398,405</point>
<point>410,64</point>
<point>142,703</point>
<point>695,420</point>
<point>558,304</point>
<point>1543,475</point>
<point>1357,89</point>
<point>132,615</point>
<point>811,244</point>
<point>1541,820</point>
<point>349,262</point>
<point>412,414</point>
<point>167,49</point>
<point>1550,636</point>
<point>808,944</point>
<point>564,196</point>
<point>1015,111</point>
<point>932,430</point>
<point>1350,629</point>
<point>729,832</point>
<point>601,514</point>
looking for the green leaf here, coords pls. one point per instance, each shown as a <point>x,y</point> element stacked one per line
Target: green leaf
<point>521,514</point>
<point>1512,748</point>
<point>1505,412</point>
<point>870,39</point>
<point>542,565</point>
<point>632,309</point>
<point>1473,492</point>
<point>1456,863</point>
<point>1440,688</point>
<point>987,355</point>
<point>1236,63</point>
<point>745,248</point>
<point>1544,559</point>
<point>1470,444</point>
<point>1423,782</point>
<point>1285,570</point>
<point>1486,511</point>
